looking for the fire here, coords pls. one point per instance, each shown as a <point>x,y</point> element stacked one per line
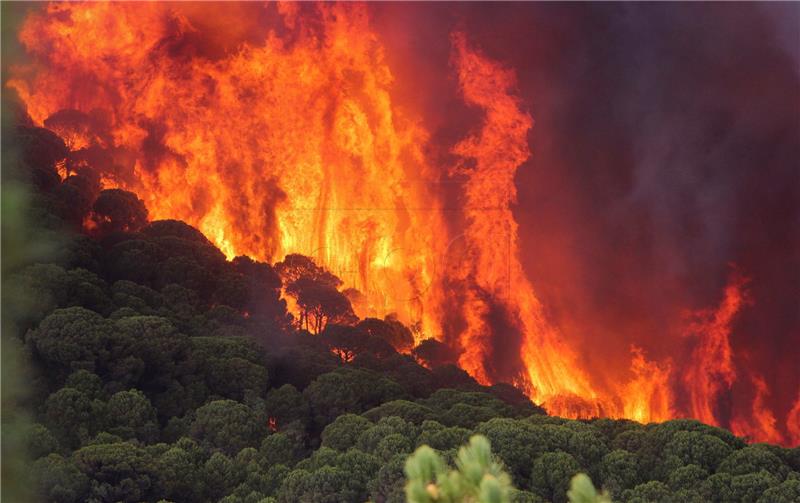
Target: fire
<point>793,422</point>
<point>293,141</point>
<point>712,370</point>
<point>648,396</point>
<point>498,150</point>
<point>761,425</point>
<point>274,149</point>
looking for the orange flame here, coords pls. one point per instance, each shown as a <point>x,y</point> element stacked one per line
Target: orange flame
<point>648,396</point>
<point>498,150</point>
<point>793,423</point>
<point>272,149</point>
<point>761,425</point>
<point>712,370</point>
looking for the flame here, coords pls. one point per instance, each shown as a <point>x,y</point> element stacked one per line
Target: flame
<point>761,425</point>
<point>289,138</point>
<point>648,396</point>
<point>793,423</point>
<point>712,369</point>
<point>498,150</point>
<point>277,148</point>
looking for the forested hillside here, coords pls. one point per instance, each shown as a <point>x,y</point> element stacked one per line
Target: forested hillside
<point>155,369</point>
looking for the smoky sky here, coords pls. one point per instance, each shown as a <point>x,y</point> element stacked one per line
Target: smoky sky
<point>666,148</point>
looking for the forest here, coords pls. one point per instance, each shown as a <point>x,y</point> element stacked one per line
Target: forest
<point>141,365</point>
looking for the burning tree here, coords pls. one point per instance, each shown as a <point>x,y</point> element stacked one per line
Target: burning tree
<point>320,304</point>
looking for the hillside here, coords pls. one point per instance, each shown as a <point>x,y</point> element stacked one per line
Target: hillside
<point>155,369</point>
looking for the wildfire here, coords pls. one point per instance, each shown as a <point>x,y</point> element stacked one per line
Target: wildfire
<point>712,369</point>
<point>498,150</point>
<point>761,424</point>
<point>274,149</point>
<point>293,142</point>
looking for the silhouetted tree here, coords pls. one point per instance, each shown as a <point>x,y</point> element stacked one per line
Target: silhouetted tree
<point>117,210</point>
<point>295,266</point>
<point>433,353</point>
<point>349,342</point>
<point>72,199</point>
<point>390,330</point>
<point>76,128</point>
<point>41,150</point>
<point>320,303</point>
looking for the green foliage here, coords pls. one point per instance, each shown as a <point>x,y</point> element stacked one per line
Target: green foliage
<point>348,390</point>
<point>478,476</point>
<point>751,486</point>
<point>583,491</point>
<point>552,473</point>
<point>286,405</point>
<point>391,445</point>
<point>219,468</point>
<point>131,416</point>
<point>410,411</point>
<point>326,485</point>
<point>39,441</point>
<point>516,443</point>
<point>73,415</point>
<point>441,437</point>
<point>692,447</point>
<point>649,492</point>
<point>119,471</point>
<point>178,477</point>
<point>227,425</point>
<point>388,485</point>
<point>786,492</point>
<point>620,470</point>
<point>588,448</point>
<point>687,477</point>
<point>344,431</point>
<point>117,210</point>
<point>279,449</point>
<point>752,459</point>
<point>72,338</point>
<point>86,382</point>
<point>371,438</point>
<point>59,479</point>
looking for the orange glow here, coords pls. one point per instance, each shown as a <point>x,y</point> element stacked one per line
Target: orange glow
<point>295,142</point>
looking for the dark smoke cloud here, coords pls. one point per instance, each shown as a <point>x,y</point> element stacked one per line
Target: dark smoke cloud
<point>666,147</point>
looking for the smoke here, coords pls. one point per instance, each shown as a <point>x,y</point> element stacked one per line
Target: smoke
<point>665,148</point>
